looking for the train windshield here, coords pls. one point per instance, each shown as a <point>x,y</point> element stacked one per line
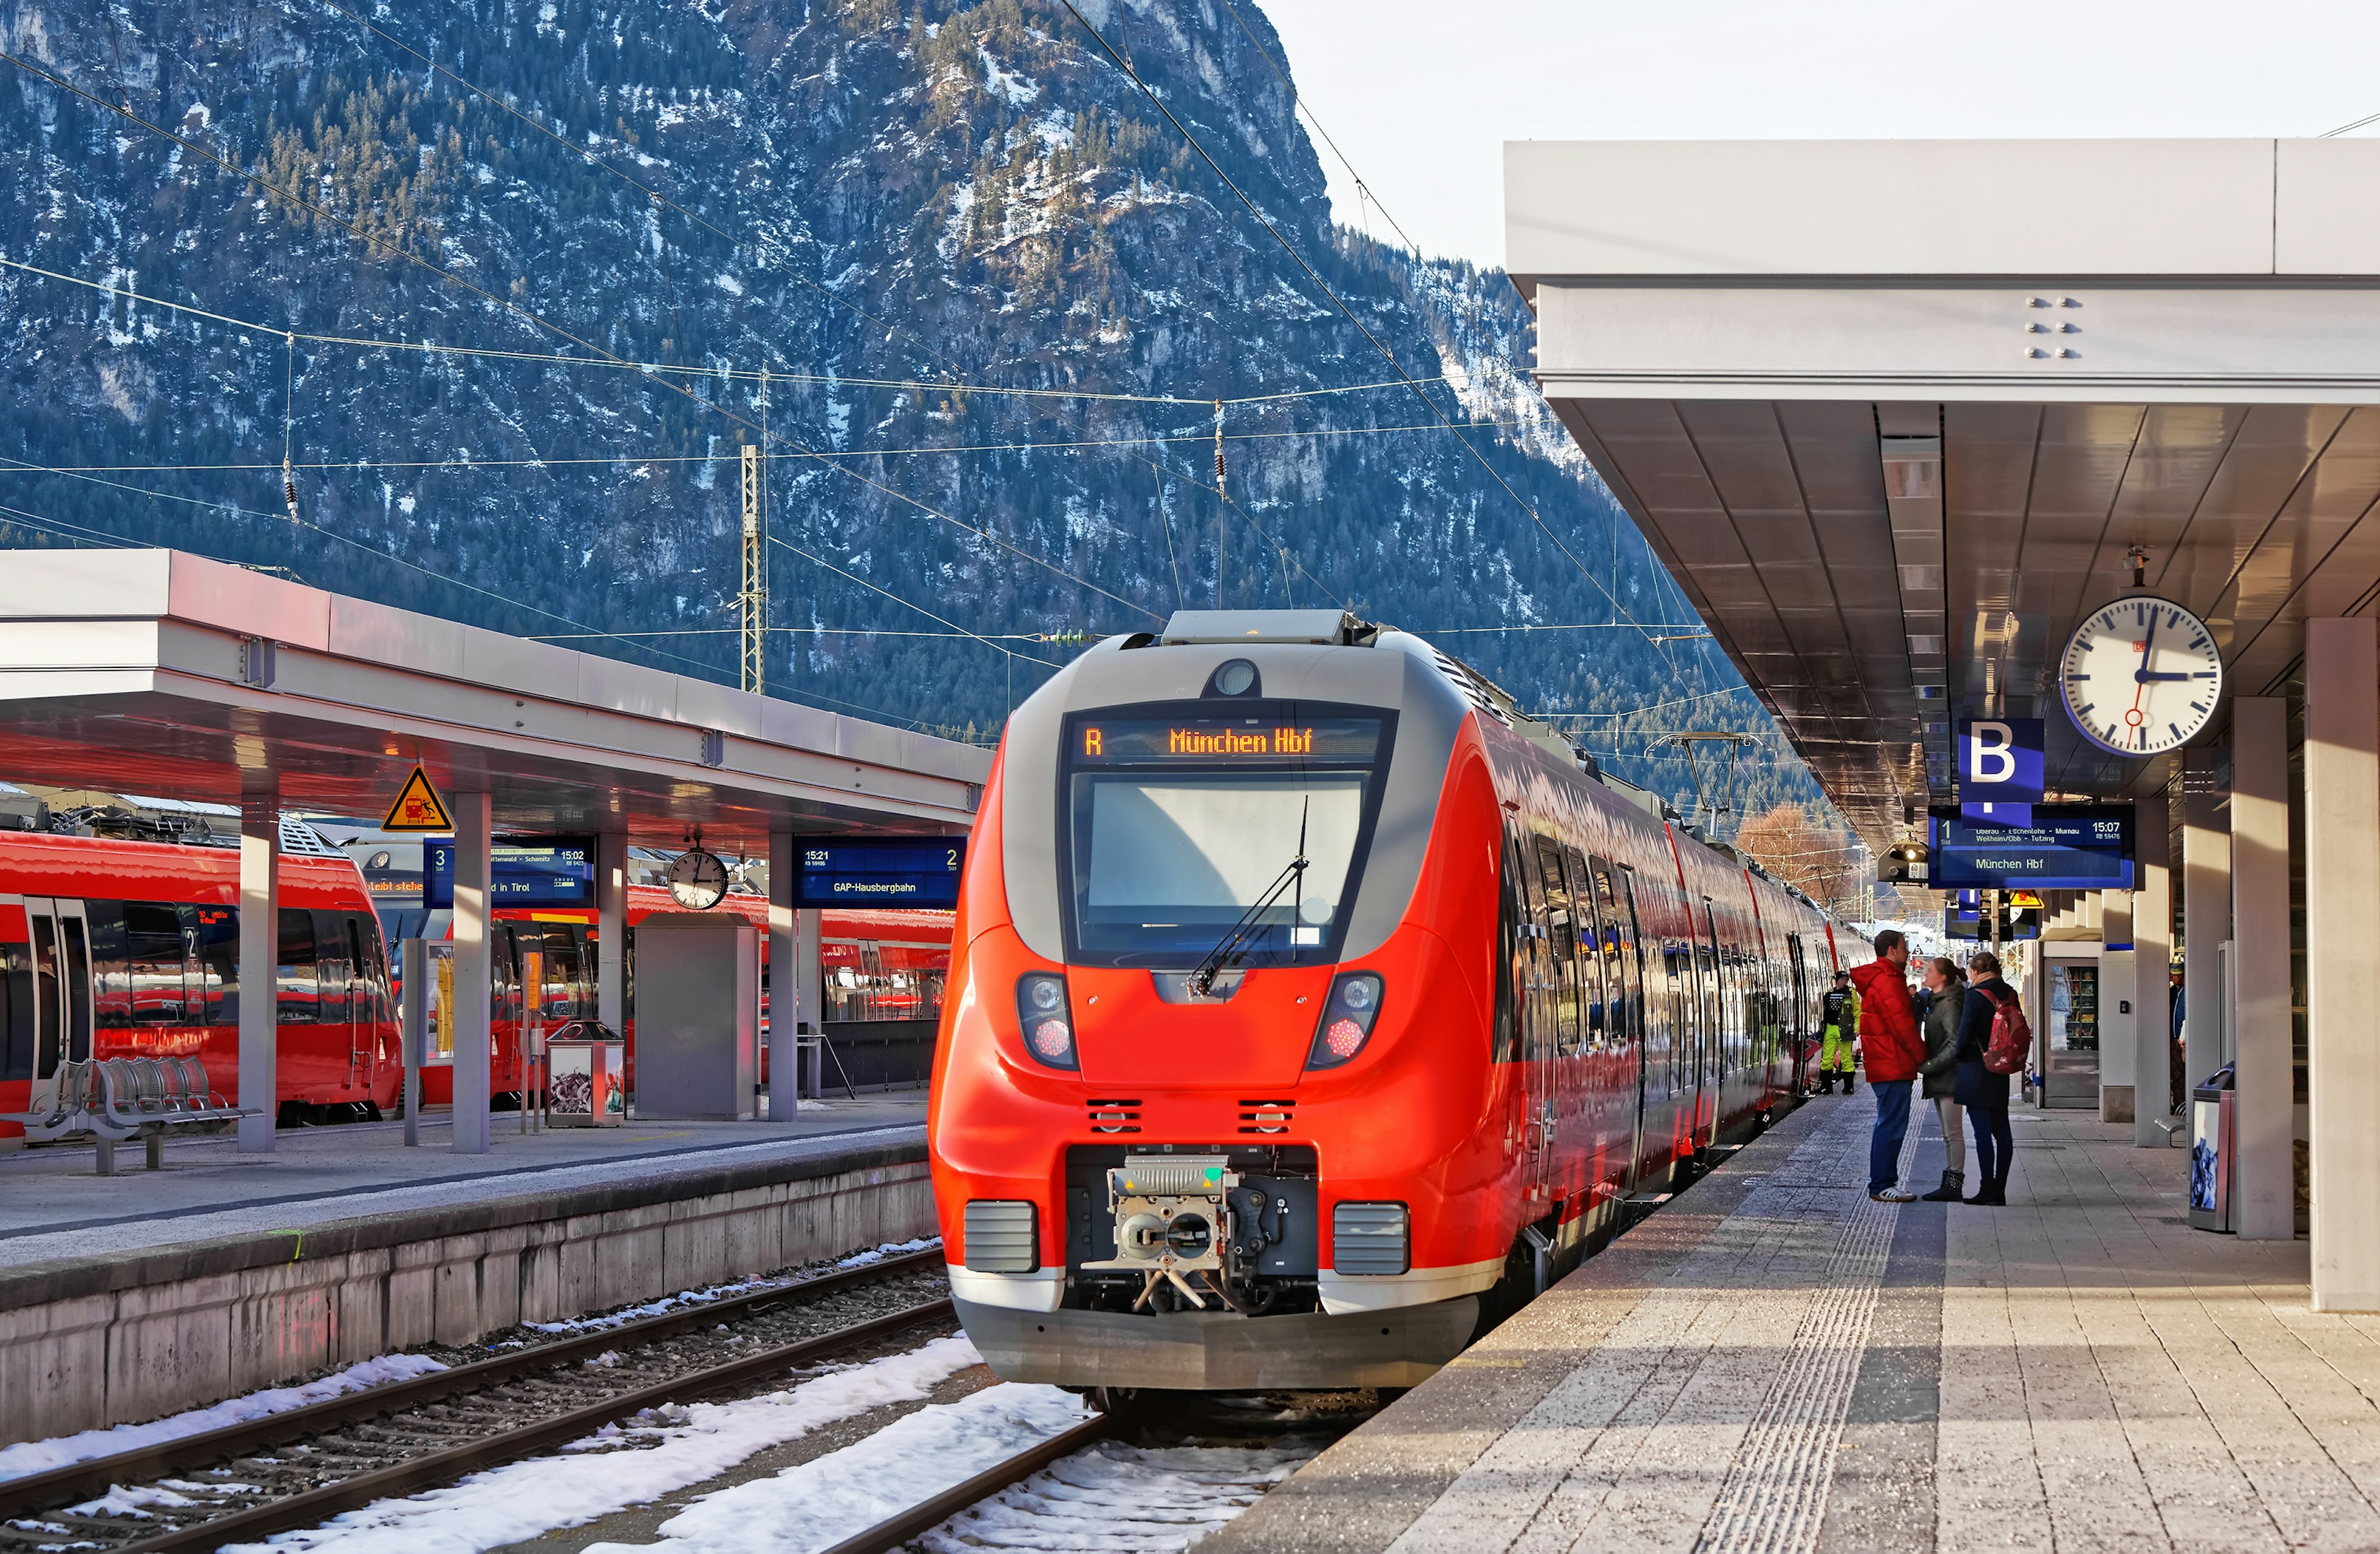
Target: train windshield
<point>1179,827</point>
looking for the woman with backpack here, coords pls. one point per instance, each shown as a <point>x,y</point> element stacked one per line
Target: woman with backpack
<point>1981,1091</point>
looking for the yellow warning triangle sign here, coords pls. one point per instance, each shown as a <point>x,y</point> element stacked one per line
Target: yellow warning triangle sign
<point>417,806</point>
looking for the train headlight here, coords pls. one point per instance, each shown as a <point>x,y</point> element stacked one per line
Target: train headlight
<point>1043,1015</point>
<point>1347,1016</point>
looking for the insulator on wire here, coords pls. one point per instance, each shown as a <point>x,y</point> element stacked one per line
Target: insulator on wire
<point>1219,449</point>
<point>289,490</point>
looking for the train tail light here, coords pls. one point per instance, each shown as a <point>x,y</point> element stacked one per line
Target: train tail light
<point>1347,1016</point>
<point>1046,1018</point>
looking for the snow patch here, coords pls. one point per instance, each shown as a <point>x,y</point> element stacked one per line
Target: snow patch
<point>729,285</point>
<point>655,1454</point>
<point>41,1456</point>
<point>1018,89</point>
<point>820,1503</point>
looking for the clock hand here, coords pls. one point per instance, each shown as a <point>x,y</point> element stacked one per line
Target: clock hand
<point>2148,645</point>
<point>2144,676</point>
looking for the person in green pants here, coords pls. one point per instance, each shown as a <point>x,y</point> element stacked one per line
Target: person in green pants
<point>1839,1019</point>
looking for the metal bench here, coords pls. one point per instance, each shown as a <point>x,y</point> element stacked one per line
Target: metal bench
<point>114,1101</point>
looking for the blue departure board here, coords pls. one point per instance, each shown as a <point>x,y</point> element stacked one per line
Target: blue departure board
<point>526,871</point>
<point>921,871</point>
<point>2067,847</point>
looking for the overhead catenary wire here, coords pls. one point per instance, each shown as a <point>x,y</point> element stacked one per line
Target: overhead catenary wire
<point>983,533</point>
<point>1347,311</point>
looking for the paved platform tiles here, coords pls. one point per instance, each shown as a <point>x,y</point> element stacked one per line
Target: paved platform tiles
<point>54,1204</point>
<point>1774,1362</point>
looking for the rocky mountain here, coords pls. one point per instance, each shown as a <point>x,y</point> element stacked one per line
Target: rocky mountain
<point>509,283</point>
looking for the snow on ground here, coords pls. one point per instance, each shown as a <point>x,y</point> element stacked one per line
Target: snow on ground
<point>1115,1497</point>
<point>659,1452</point>
<point>820,1503</point>
<point>40,1456</point>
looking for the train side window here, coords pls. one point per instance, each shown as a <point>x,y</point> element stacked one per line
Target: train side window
<point>1508,961</point>
<point>45,994</point>
<point>215,936</point>
<point>153,965</point>
<point>16,996</point>
<point>1631,960</point>
<point>334,970</point>
<point>1679,961</point>
<point>1570,928</point>
<point>111,996</point>
<point>294,987</point>
<point>1596,994</point>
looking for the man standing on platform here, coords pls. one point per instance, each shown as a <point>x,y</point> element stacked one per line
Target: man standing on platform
<point>1839,1021</point>
<point>1892,1047</point>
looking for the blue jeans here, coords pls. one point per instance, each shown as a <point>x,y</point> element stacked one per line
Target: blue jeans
<point>1891,1127</point>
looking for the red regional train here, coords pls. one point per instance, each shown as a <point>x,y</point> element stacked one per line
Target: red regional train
<point>1313,1008</point>
<point>124,948</point>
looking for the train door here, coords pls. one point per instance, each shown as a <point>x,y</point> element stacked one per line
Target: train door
<point>1589,1050</point>
<point>1624,978</point>
<point>1678,1109</point>
<point>333,1008</point>
<point>60,936</point>
<point>1801,1026</point>
<point>1711,1082</point>
<point>1538,1031</point>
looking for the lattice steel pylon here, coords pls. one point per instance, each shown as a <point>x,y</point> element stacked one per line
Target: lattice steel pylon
<point>753,601</point>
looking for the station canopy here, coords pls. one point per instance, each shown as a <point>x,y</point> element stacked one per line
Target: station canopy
<point>158,671</point>
<point>1894,413</point>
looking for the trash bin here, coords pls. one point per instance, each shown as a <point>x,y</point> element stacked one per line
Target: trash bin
<point>2210,1152</point>
<point>585,1085</point>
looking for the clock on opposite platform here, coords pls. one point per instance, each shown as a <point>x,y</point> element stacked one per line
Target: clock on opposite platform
<point>2141,677</point>
<point>698,880</point>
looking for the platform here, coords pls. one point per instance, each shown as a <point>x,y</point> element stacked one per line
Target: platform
<point>126,1297</point>
<point>1776,1363</point>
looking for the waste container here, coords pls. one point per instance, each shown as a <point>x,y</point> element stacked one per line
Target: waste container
<point>586,1082</point>
<point>2210,1152</point>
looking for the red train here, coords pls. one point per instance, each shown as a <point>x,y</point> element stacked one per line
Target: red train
<point>114,948</point>
<point>1316,1007</point>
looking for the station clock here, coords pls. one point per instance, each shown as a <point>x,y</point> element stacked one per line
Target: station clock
<point>2141,677</point>
<point>698,880</point>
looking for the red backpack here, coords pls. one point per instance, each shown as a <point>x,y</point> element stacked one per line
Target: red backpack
<point>2011,1038</point>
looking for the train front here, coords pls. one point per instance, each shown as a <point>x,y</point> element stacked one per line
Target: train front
<point>1213,1105</point>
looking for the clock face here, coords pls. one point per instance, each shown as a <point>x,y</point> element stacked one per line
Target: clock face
<point>2141,676</point>
<point>697,881</point>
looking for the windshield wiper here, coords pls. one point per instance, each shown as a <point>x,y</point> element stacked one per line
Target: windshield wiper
<point>1227,952</point>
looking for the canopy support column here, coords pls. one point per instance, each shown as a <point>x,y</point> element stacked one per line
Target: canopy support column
<point>2263,1168</point>
<point>2152,973</point>
<point>474,883</point>
<point>786,1002</point>
<point>260,957</point>
<point>2342,857</point>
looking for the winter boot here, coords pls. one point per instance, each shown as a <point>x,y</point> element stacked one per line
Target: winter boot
<point>1850,1077</point>
<point>1826,1086</point>
<point>1992,1194</point>
<point>1953,1190</point>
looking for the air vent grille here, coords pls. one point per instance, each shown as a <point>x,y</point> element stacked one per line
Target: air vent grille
<point>1370,1239</point>
<point>1267,1116</point>
<point>1472,691</point>
<point>1000,1237</point>
<point>1114,1116</point>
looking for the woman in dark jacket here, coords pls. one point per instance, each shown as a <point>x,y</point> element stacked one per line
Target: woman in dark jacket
<point>1946,988</point>
<point>1981,1092</point>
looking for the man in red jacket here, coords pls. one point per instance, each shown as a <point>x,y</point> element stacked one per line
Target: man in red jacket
<point>1892,1047</point>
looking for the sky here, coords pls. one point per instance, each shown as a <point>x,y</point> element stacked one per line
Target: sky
<point>1421,94</point>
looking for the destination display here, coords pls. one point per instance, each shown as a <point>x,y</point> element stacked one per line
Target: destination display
<point>1227,740</point>
<point>2067,847</point>
<point>527,871</point>
<point>920,872</point>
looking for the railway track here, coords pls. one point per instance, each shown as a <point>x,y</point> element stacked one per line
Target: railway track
<point>298,1468</point>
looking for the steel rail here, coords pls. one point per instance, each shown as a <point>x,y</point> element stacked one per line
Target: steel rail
<point>38,1492</point>
<point>421,1473</point>
<point>895,1531</point>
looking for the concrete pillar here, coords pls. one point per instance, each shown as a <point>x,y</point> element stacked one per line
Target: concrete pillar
<point>784,983</point>
<point>611,932</point>
<point>809,959</point>
<point>259,959</point>
<point>2264,1171</point>
<point>473,968</point>
<point>2205,915</point>
<point>2118,1011</point>
<point>2342,843</point>
<point>2151,960</point>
